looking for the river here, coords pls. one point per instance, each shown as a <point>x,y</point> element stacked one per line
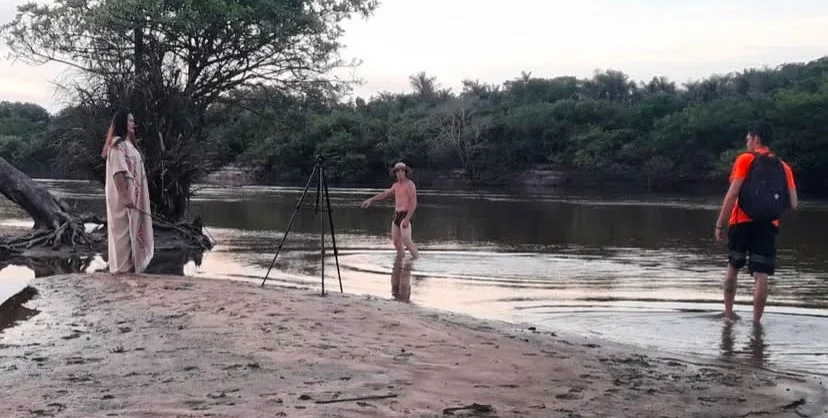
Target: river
<point>643,271</point>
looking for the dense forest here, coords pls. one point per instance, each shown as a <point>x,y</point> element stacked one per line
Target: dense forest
<point>607,128</point>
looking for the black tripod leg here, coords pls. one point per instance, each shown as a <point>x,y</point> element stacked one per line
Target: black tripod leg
<point>321,224</point>
<point>290,224</point>
<point>333,235</point>
<point>319,188</point>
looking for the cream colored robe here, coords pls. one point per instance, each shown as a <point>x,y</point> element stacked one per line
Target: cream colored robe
<point>131,243</point>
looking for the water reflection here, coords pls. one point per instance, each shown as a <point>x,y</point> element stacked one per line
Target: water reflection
<point>757,346</point>
<point>727,340</point>
<point>755,350</point>
<point>50,266</point>
<point>163,262</point>
<point>401,279</point>
<point>173,263</point>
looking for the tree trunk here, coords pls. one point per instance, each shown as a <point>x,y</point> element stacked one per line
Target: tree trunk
<point>53,224</point>
<point>47,211</point>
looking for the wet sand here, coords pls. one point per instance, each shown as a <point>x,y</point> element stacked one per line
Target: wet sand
<point>13,231</point>
<point>156,346</point>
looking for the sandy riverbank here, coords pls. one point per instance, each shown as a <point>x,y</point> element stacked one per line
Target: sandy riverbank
<point>153,346</point>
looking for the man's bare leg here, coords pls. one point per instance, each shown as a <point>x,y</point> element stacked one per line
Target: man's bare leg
<point>760,295</point>
<point>408,242</point>
<point>398,241</point>
<point>730,291</point>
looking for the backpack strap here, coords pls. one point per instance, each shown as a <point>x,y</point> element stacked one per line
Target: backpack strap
<point>755,156</point>
<point>749,172</point>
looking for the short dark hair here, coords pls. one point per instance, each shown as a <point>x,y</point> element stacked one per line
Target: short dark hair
<point>120,122</point>
<point>763,129</point>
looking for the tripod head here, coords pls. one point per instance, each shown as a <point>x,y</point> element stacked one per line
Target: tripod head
<point>319,159</point>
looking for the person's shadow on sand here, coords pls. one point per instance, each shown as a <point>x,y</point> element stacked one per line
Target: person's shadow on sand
<point>401,280</point>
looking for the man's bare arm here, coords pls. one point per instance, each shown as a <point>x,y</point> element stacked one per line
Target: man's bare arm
<point>792,194</point>
<point>728,203</point>
<point>123,185</point>
<point>379,196</point>
<point>382,195</point>
<point>794,198</point>
<point>412,199</point>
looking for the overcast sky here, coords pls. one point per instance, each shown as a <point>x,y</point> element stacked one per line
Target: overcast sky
<point>494,41</point>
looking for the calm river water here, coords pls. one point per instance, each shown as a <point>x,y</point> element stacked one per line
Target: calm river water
<point>638,271</point>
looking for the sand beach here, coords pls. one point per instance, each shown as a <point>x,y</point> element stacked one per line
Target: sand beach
<point>164,346</point>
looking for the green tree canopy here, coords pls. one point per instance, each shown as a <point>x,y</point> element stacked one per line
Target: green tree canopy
<point>170,61</point>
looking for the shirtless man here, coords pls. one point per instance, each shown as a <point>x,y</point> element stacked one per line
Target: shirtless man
<point>405,203</point>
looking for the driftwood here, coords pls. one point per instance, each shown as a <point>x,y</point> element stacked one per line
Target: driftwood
<point>54,225</point>
<point>59,234</point>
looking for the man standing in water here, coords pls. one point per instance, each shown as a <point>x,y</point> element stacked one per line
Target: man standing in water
<point>761,189</point>
<point>405,203</point>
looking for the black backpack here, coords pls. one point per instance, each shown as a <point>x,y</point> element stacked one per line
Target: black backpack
<point>764,193</point>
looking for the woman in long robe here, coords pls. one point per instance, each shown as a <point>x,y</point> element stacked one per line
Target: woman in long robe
<point>129,225</point>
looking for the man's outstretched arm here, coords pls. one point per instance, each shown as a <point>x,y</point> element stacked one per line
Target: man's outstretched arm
<point>379,196</point>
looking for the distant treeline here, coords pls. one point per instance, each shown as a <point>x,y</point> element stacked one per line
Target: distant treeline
<point>606,128</point>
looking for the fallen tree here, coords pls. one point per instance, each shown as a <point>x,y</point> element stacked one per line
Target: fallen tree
<point>54,225</point>
<point>58,232</point>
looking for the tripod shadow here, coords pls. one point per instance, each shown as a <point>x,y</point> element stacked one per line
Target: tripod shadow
<point>401,280</point>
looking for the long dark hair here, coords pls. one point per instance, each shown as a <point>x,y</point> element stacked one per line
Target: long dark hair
<point>119,124</point>
<point>117,129</point>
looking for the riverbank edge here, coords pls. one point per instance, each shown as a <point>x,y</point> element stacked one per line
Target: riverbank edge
<point>140,330</point>
<point>538,180</point>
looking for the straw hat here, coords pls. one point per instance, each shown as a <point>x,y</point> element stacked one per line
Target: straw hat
<point>401,166</point>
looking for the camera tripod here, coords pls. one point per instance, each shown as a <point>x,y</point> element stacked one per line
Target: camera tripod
<point>321,187</point>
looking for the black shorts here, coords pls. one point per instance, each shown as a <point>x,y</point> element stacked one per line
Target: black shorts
<point>754,244</point>
<point>399,216</point>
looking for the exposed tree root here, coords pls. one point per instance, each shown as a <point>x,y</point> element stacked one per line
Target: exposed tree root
<point>71,233</point>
